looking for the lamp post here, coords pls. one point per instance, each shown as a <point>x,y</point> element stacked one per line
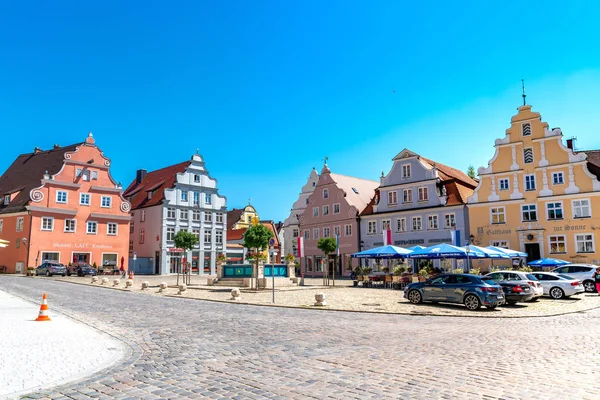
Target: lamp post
<point>468,250</point>
<point>274,253</point>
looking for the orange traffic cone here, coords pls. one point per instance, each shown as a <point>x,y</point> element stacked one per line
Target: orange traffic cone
<point>131,275</point>
<point>43,315</point>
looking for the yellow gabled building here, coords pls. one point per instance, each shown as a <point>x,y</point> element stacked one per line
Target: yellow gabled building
<point>538,195</point>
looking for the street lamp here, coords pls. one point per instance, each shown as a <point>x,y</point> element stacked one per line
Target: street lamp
<point>468,250</point>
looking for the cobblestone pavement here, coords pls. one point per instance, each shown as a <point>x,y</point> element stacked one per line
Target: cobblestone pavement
<point>193,349</point>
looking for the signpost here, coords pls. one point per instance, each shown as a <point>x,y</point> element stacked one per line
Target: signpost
<point>274,253</point>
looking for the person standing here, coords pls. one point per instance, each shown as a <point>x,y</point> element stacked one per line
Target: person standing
<point>597,279</point>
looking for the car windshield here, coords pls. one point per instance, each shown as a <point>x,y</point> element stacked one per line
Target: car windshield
<point>531,277</point>
<point>488,280</point>
<point>57,266</point>
<point>566,277</point>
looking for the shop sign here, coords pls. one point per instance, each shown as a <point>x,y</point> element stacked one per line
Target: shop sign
<point>499,232</point>
<point>175,250</point>
<point>81,245</point>
<point>411,241</point>
<point>446,240</point>
<point>567,228</point>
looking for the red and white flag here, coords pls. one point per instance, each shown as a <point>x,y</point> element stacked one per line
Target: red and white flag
<point>300,247</point>
<point>387,237</point>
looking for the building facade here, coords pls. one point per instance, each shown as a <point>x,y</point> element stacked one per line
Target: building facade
<point>537,195</point>
<point>420,202</point>
<point>333,209</point>
<point>63,205</point>
<point>291,225</point>
<point>179,197</point>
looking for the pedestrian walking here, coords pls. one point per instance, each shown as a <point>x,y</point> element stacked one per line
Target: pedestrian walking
<point>597,279</point>
<point>122,269</point>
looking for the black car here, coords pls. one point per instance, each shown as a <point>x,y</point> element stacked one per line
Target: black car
<point>515,292</point>
<point>81,269</point>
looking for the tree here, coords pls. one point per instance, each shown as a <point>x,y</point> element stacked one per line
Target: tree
<point>257,237</point>
<point>327,245</point>
<point>185,240</point>
<point>471,172</point>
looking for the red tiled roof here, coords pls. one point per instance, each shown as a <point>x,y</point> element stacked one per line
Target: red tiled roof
<point>233,217</point>
<point>447,173</point>
<point>271,226</point>
<point>593,162</point>
<point>27,172</point>
<point>158,180</point>
<point>235,234</point>
<point>457,193</point>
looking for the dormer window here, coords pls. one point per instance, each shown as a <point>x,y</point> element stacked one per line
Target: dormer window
<point>6,199</point>
<point>526,129</point>
<point>406,171</point>
<point>325,193</point>
<point>197,178</point>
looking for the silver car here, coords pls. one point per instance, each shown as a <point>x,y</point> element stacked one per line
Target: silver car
<point>520,277</point>
<point>49,268</point>
<point>558,286</point>
<point>583,272</point>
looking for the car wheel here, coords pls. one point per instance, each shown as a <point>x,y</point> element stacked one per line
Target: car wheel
<point>63,275</point>
<point>80,274</point>
<point>47,273</point>
<point>414,296</point>
<point>534,299</point>
<point>472,302</point>
<point>68,274</point>
<point>491,307</point>
<point>589,286</point>
<point>36,273</point>
<point>511,303</point>
<point>556,293</point>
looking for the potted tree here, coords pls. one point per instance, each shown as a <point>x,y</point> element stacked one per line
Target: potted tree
<point>358,275</point>
<point>366,271</point>
<point>30,271</point>
<point>257,237</point>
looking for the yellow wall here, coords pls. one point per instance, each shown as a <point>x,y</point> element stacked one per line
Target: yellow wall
<point>249,212</point>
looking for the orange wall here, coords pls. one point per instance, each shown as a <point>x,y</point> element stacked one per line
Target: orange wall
<point>11,255</point>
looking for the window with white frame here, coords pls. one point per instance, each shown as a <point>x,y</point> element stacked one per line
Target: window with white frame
<point>295,232</point>
<point>315,211</point>
<point>558,178</point>
<point>348,230</point>
<point>70,225</point>
<point>386,224</point>
<point>306,234</point>
<point>94,175</point>
<point>61,196</point>
<point>315,233</point>
<point>392,197</point>
<point>197,178</point>
<point>432,221</point>
<point>528,212</point>
<point>207,198</point>
<point>78,172</point>
<point>47,223</point>
<point>554,210</point>
<point>581,208</point>
<point>207,236</point>
<point>92,228</point>
<point>84,199</point>
<point>219,237</point>
<point>526,129</point>
<point>20,223</point>
<point>170,213</point>
<point>86,175</point>
<point>503,183</point>
<point>417,224</point>
<point>371,227</point>
<point>195,215</point>
<point>423,194</point>
<point>337,230</point>
<point>500,243</point>
<point>183,215</point>
<point>450,220</point>
<point>326,232</point>
<point>558,244</point>
<point>406,171</point>
<point>528,155</point>
<point>401,225</point>
<point>196,196</point>
<point>143,216</point>
<point>326,210</point>
<point>219,218</point>
<point>142,236</point>
<point>106,201</point>
<point>111,228</point>
<point>207,216</point>
<point>529,182</point>
<point>184,195</point>
<point>6,199</point>
<point>584,243</point>
<point>407,195</point>
<point>170,234</point>
<point>325,193</point>
<point>498,215</point>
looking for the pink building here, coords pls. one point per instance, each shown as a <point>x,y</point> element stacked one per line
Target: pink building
<point>333,209</point>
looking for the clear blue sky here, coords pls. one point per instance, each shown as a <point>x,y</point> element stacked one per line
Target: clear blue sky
<point>266,89</point>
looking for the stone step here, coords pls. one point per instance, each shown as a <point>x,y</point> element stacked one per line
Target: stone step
<point>230,282</point>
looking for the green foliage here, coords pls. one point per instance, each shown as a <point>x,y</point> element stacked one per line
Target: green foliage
<point>471,172</point>
<point>398,270</point>
<point>475,271</point>
<point>257,237</point>
<point>525,268</point>
<point>221,257</point>
<point>94,265</point>
<point>358,270</point>
<point>457,271</point>
<point>494,269</point>
<point>185,240</point>
<point>253,255</point>
<point>290,258</point>
<point>366,270</point>
<point>327,245</point>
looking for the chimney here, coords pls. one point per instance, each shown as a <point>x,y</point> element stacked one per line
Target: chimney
<point>37,150</point>
<point>570,143</point>
<point>140,175</point>
<point>56,146</point>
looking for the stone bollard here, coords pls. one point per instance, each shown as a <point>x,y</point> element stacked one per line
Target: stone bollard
<point>104,281</point>
<point>94,279</point>
<point>182,288</point>
<point>236,294</point>
<point>162,286</point>
<point>129,283</point>
<point>145,285</point>
<point>320,299</point>
<point>116,282</point>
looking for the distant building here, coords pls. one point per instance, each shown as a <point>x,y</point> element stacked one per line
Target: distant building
<point>291,225</point>
<point>238,220</point>
<point>333,209</point>
<point>179,197</point>
<point>538,195</point>
<point>419,202</point>
<point>62,205</point>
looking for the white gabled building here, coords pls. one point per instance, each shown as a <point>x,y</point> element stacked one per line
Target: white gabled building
<point>291,225</point>
<point>179,197</point>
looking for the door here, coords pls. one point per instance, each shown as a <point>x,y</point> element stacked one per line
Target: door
<point>157,262</point>
<point>533,251</point>
<point>456,287</point>
<point>434,289</point>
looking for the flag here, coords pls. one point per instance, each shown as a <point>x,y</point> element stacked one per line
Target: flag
<point>455,234</point>
<point>337,244</point>
<point>387,237</point>
<point>300,247</point>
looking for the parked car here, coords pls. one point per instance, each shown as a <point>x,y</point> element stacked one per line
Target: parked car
<point>583,272</point>
<point>81,269</point>
<point>471,290</point>
<point>516,292</point>
<point>49,268</point>
<point>558,286</point>
<point>521,277</point>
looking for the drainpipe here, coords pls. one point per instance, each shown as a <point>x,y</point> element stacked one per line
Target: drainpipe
<point>28,241</point>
